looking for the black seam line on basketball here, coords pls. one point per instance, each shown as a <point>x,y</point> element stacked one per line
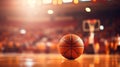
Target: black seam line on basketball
<point>65,51</point>
<point>70,39</point>
<point>66,41</point>
<point>76,52</point>
<point>71,45</point>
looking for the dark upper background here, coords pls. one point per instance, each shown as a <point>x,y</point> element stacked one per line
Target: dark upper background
<point>100,8</point>
<point>20,13</point>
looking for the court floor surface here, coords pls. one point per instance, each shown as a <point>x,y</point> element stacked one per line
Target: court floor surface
<point>56,60</point>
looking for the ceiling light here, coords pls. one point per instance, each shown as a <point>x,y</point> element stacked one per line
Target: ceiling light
<point>47,1</point>
<point>101,27</point>
<point>22,31</point>
<point>67,1</point>
<point>85,0</point>
<point>87,9</point>
<point>50,11</point>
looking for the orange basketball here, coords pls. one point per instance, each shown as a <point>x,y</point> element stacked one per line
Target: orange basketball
<point>71,46</point>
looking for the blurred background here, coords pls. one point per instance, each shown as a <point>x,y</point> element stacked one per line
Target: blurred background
<point>36,26</point>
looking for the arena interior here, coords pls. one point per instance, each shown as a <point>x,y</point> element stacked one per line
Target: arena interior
<point>30,31</point>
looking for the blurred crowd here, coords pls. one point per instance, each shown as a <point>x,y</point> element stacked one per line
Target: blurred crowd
<point>45,40</point>
<point>35,39</point>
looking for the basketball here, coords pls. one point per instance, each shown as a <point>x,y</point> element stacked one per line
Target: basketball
<point>71,46</point>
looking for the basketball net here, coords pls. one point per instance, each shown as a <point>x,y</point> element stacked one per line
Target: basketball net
<point>91,28</point>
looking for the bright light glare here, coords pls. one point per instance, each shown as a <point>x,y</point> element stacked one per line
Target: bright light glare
<point>29,63</point>
<point>94,0</point>
<point>48,43</point>
<point>54,2</point>
<point>67,1</point>
<point>85,0</point>
<point>50,11</point>
<point>31,3</point>
<point>119,40</point>
<point>101,27</point>
<point>23,31</point>
<point>91,38</point>
<point>76,1</point>
<point>59,1</point>
<point>47,1</point>
<point>87,9</point>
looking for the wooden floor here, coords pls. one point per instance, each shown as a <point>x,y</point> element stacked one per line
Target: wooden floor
<point>56,60</point>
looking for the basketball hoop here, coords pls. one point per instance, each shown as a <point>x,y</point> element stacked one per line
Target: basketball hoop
<point>93,25</point>
<point>90,26</point>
